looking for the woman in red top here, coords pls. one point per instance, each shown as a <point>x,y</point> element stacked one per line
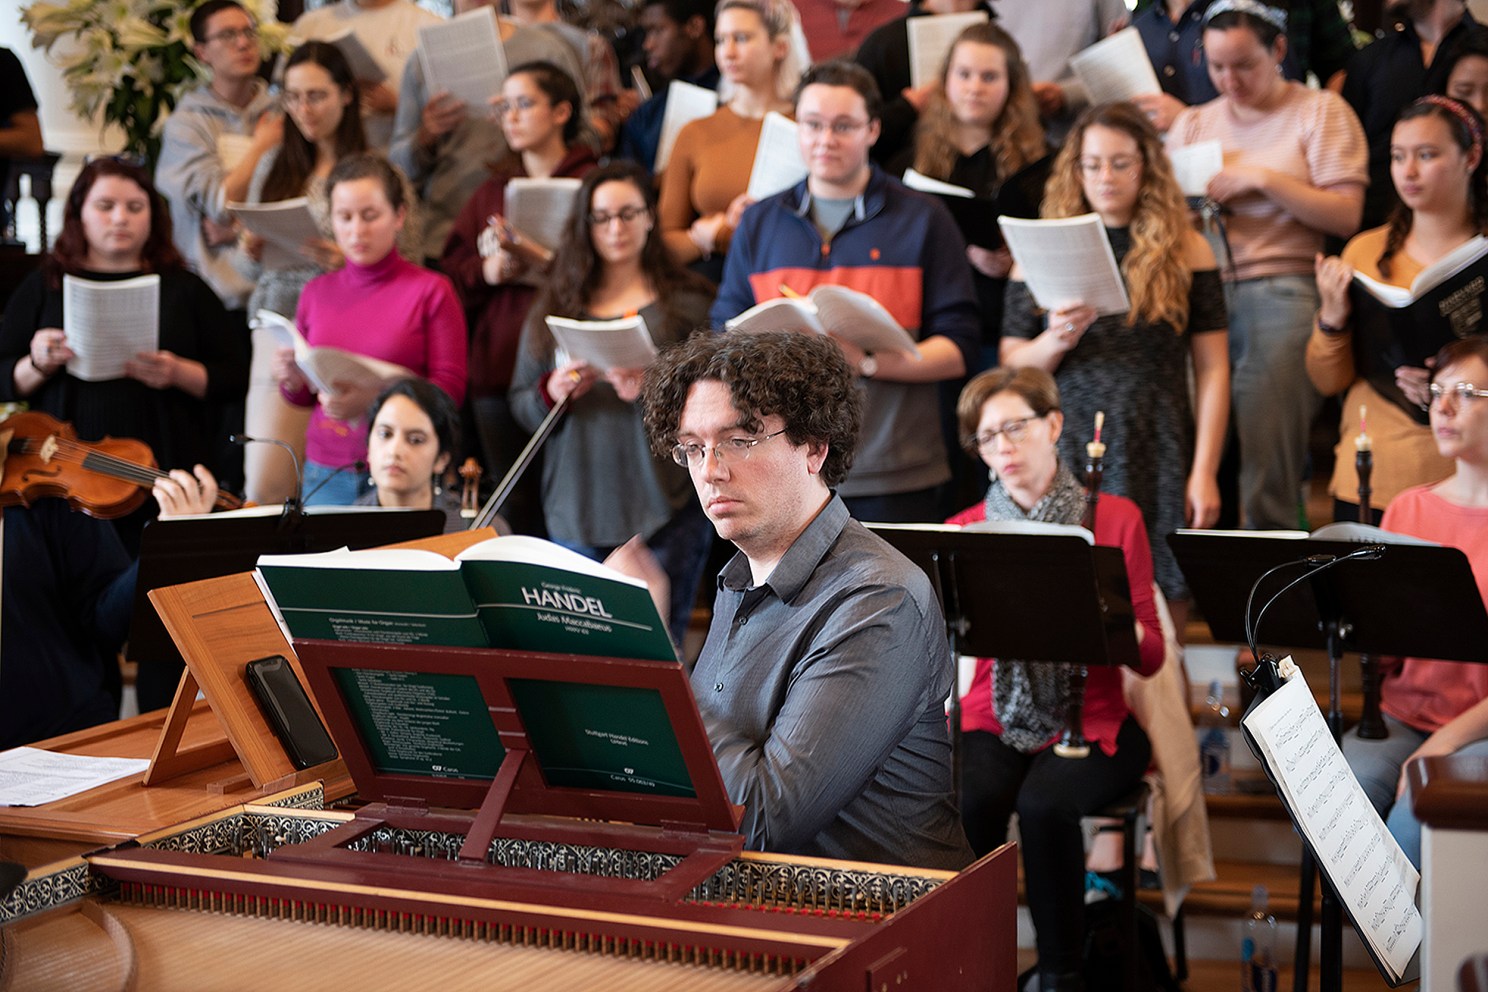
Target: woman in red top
<point>1437,707</point>
<point>1016,709</point>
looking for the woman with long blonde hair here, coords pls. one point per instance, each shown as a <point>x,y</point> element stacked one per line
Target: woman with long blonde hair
<point>1162,452</point>
<point>980,130</point>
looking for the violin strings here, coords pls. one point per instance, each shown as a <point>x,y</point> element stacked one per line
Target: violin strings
<point>75,453</point>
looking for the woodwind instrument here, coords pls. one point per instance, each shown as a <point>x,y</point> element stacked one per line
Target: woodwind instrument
<point>1371,720</point>
<point>470,476</point>
<point>1073,744</point>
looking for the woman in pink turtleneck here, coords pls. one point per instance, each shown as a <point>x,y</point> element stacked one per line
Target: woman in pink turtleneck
<point>378,305</point>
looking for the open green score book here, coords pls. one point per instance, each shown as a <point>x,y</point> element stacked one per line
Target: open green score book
<point>514,593</point>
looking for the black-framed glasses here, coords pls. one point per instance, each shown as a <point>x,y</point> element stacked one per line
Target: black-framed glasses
<point>1463,392</point>
<point>1016,431</point>
<point>691,454</point>
<point>625,215</point>
<point>234,35</point>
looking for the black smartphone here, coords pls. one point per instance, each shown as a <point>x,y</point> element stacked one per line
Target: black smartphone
<point>284,704</point>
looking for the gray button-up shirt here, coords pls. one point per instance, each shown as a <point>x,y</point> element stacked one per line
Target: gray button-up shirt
<point>823,692</point>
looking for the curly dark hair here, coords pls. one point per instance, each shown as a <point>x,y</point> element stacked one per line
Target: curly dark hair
<point>801,377</point>
<point>69,254</point>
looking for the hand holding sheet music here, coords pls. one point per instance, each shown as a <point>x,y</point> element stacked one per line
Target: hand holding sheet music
<point>777,159</point>
<point>624,343</point>
<point>329,370</point>
<point>463,56</point>
<point>109,323</point>
<point>930,39</point>
<point>1116,68</point>
<point>1067,261</point>
<point>844,313</point>
<point>685,104</point>
<point>1194,165</point>
<point>286,227</point>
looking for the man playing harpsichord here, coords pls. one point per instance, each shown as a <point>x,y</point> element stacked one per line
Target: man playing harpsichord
<point>825,673</point>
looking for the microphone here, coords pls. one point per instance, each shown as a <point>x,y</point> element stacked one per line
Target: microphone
<point>357,466</point>
<point>1314,564</point>
<point>294,502</point>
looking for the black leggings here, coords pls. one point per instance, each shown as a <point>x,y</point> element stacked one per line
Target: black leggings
<point>1051,795</point>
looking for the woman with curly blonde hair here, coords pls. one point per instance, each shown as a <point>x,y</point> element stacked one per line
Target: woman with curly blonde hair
<point>981,131</point>
<point>1162,452</point>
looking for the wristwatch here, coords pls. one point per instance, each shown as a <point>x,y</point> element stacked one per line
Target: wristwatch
<point>868,367</point>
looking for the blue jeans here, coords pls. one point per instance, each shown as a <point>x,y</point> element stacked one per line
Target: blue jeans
<point>1273,403</point>
<point>342,489</point>
<point>1377,765</point>
<point>681,547</point>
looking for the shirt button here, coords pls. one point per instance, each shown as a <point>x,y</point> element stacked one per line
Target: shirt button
<point>1169,71</point>
<point>1173,36</point>
<point>743,621</point>
<point>717,686</point>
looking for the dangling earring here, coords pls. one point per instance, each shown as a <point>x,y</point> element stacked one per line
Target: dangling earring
<point>437,488</point>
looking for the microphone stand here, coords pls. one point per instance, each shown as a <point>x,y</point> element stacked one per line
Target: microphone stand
<point>1336,630</point>
<point>294,504</point>
<point>1074,744</point>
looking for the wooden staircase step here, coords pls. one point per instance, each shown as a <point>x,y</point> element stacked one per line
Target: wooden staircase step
<point>1229,895</point>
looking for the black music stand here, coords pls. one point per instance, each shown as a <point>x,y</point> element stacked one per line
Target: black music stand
<point>186,549</point>
<point>1045,597</point>
<point>1416,599</point>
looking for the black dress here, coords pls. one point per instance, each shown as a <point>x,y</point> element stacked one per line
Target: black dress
<point>176,425</point>
<point>1139,376</point>
<point>1020,196</point>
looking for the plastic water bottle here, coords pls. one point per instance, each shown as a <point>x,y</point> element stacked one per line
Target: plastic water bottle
<point>1214,744</point>
<point>1258,946</point>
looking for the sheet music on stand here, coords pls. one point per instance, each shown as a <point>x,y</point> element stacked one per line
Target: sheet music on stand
<point>1375,882</point>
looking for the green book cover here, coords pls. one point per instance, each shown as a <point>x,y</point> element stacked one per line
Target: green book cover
<point>536,596</point>
<point>393,596</point>
<point>423,723</point>
<point>602,737</point>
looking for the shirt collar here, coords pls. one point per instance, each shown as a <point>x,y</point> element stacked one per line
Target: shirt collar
<point>859,208</point>
<point>800,559</point>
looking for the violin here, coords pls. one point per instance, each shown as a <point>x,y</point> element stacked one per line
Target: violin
<point>105,479</point>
